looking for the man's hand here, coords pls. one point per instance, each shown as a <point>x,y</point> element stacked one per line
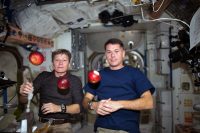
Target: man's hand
<point>50,108</point>
<point>113,105</point>
<point>108,106</point>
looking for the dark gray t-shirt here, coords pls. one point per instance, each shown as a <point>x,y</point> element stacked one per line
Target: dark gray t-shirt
<point>46,85</point>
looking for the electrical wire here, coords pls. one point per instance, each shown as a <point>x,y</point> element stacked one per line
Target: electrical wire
<point>133,5</point>
<point>158,7</point>
<point>160,19</point>
<point>178,27</point>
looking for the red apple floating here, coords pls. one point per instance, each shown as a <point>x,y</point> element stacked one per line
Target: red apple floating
<point>36,58</point>
<point>94,77</point>
<point>63,83</point>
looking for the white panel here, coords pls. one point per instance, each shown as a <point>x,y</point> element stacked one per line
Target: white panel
<point>164,112</point>
<point>163,61</point>
<point>186,84</point>
<point>166,125</point>
<point>72,17</point>
<point>165,103</point>
<point>186,107</point>
<point>146,128</point>
<point>195,29</point>
<point>63,41</point>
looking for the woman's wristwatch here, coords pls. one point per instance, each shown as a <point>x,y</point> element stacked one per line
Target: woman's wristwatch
<point>63,108</point>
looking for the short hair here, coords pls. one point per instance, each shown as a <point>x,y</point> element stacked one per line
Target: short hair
<point>61,51</point>
<point>114,41</point>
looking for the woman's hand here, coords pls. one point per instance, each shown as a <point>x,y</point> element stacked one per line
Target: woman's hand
<point>26,88</point>
<point>50,108</point>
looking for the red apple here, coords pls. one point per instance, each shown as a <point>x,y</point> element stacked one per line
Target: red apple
<point>36,58</point>
<point>94,77</point>
<point>63,83</point>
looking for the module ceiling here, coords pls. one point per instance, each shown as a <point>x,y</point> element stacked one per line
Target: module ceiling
<point>61,19</point>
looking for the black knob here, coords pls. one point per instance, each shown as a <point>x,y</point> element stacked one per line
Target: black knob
<point>196,107</point>
<point>2,74</point>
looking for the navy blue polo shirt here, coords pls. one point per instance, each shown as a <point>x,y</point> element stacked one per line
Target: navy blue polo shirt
<point>127,83</point>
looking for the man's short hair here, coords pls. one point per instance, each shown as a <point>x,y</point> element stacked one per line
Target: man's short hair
<point>114,41</point>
